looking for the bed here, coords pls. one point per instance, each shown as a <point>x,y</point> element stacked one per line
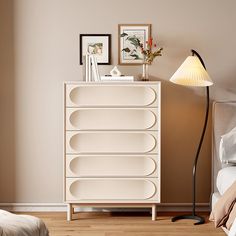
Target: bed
<point>21,225</point>
<point>223,175</point>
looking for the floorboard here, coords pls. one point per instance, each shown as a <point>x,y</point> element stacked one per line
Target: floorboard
<point>125,224</point>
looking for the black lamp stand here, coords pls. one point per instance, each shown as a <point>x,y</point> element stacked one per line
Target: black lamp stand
<point>193,216</point>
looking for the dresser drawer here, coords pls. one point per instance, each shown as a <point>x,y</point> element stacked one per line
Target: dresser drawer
<point>112,190</point>
<point>111,119</point>
<point>111,166</point>
<point>106,95</point>
<point>111,142</point>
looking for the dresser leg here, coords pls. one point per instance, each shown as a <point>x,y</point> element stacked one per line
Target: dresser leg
<point>154,212</point>
<point>69,212</point>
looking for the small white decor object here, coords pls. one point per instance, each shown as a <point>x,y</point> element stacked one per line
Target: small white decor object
<point>115,72</point>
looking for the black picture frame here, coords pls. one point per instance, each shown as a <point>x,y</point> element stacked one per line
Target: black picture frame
<point>107,50</point>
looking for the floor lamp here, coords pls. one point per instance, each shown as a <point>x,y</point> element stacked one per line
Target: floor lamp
<point>193,73</point>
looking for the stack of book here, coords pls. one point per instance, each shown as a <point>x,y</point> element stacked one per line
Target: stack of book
<point>91,72</point>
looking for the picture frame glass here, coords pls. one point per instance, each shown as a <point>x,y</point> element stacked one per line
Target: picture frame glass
<point>97,45</point>
<point>129,38</point>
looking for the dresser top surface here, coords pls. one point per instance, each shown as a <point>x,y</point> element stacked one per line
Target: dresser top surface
<point>113,82</point>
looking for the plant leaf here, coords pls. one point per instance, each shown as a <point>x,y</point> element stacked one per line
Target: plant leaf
<point>125,50</point>
<point>123,35</point>
<point>136,57</point>
<point>134,41</point>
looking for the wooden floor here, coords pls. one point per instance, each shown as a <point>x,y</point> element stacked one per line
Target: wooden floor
<point>125,224</point>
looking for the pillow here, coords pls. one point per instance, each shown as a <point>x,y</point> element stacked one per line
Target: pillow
<point>227,148</point>
<point>221,150</point>
<point>223,213</point>
<point>225,178</point>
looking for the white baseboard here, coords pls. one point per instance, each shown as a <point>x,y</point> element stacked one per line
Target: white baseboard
<point>183,207</point>
<point>37,207</point>
<point>61,207</point>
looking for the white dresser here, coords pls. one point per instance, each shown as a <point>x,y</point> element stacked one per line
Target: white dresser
<point>112,144</point>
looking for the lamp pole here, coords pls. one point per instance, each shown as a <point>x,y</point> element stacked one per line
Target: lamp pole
<point>200,219</point>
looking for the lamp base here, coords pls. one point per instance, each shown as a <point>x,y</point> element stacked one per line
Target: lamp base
<point>200,219</point>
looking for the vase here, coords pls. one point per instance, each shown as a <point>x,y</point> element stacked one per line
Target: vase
<point>145,75</point>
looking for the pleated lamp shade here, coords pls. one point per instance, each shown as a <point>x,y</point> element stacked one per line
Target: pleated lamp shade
<point>192,73</point>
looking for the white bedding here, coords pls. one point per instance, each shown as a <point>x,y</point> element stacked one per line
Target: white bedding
<point>225,178</point>
<point>21,225</point>
<point>232,231</point>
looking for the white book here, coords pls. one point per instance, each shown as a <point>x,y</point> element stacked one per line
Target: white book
<point>87,67</point>
<point>84,68</point>
<point>117,78</point>
<point>95,68</point>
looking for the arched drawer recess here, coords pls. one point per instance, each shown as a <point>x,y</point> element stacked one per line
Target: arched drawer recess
<point>111,166</point>
<point>111,119</point>
<point>110,95</point>
<point>111,142</point>
<point>111,189</point>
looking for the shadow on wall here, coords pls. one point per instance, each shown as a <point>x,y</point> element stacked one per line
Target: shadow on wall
<point>183,112</point>
<point>7,153</point>
<point>226,92</point>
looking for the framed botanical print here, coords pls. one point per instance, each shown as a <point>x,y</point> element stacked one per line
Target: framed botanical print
<point>97,44</point>
<point>130,37</point>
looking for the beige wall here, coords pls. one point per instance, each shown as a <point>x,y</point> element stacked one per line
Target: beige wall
<point>46,54</point>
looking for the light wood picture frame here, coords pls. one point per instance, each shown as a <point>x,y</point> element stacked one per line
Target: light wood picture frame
<point>129,38</point>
